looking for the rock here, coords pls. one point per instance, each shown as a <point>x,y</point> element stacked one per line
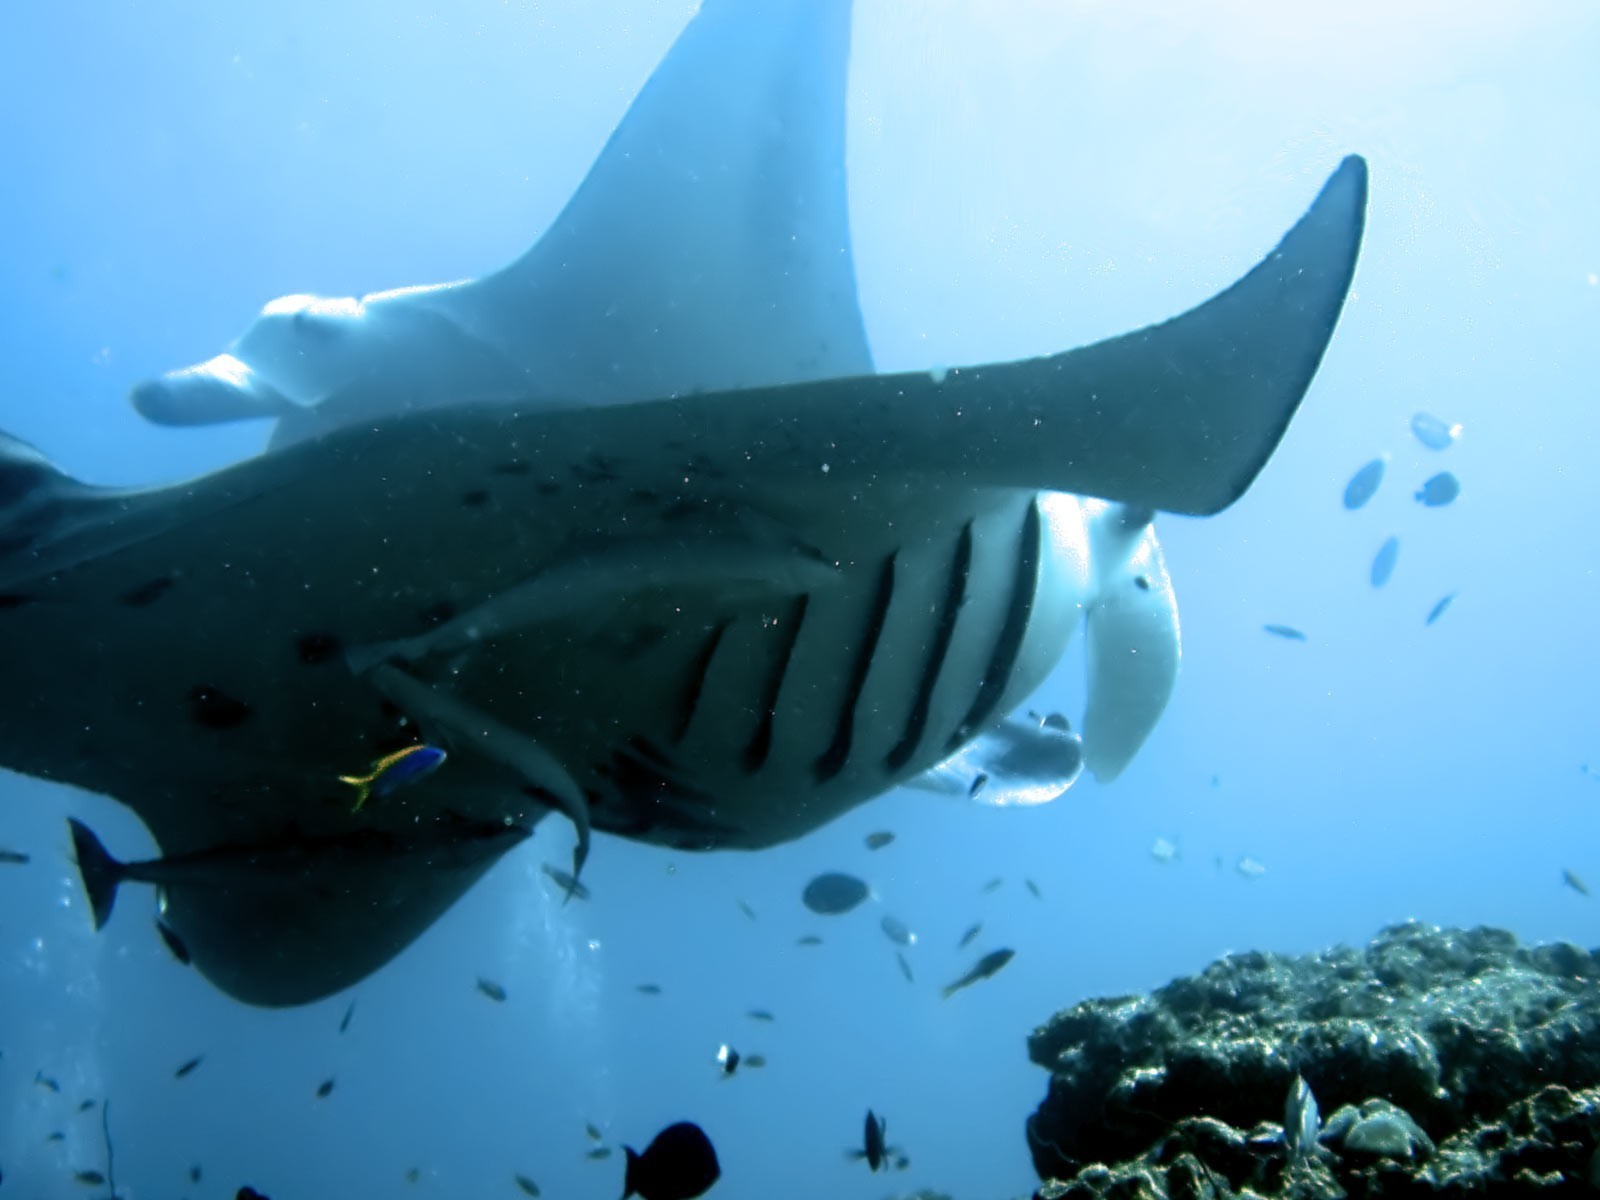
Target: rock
<point>1452,1061</point>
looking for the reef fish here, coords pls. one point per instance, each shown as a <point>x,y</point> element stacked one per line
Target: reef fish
<point>680,1163</point>
<point>394,771</point>
<point>632,526</point>
<point>1364,483</point>
<point>1439,490</point>
<point>874,1149</point>
<point>1384,561</point>
<point>985,967</point>
<point>1288,632</point>
<point>833,893</point>
<point>1440,608</point>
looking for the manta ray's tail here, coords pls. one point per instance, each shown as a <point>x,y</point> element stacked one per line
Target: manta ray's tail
<point>100,872</point>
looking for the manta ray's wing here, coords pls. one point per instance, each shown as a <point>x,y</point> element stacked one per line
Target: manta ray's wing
<point>708,249</point>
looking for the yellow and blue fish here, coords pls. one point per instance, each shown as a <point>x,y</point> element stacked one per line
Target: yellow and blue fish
<point>394,771</point>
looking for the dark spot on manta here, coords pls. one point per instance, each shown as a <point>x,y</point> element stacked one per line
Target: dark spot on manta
<point>514,466</point>
<point>314,649</point>
<point>215,709</point>
<point>147,593</point>
<point>547,487</point>
<point>476,498</point>
<point>436,614</point>
<point>9,600</point>
<point>1142,582</point>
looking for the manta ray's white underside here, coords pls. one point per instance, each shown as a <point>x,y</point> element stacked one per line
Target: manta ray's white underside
<point>632,530</point>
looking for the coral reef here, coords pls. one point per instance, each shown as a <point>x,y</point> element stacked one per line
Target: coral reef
<point>1453,1062</point>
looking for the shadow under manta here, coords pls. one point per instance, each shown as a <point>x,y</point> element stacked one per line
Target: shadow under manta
<point>711,598</point>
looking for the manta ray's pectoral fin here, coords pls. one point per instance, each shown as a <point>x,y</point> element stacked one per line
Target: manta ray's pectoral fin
<point>1133,641</point>
<point>1021,762</point>
<point>464,727</point>
<point>750,561</point>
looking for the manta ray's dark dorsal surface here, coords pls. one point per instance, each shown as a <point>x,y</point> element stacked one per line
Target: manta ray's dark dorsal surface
<point>710,597</point>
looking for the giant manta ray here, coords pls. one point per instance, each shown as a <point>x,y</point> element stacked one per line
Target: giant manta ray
<point>632,530</point>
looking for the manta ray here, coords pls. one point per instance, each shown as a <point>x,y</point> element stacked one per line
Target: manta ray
<point>633,531</point>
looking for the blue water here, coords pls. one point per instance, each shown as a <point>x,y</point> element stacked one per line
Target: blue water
<point>1023,179</point>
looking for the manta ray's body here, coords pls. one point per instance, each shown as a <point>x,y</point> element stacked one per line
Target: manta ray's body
<point>630,529</point>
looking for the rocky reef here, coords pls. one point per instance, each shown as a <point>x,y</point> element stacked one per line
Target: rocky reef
<point>1451,1062</point>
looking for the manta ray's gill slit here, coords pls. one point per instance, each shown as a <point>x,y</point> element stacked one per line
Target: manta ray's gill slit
<point>760,744</point>
<point>832,760</point>
<point>147,594</point>
<point>694,685</point>
<point>1024,583</point>
<point>10,600</point>
<point>954,597</point>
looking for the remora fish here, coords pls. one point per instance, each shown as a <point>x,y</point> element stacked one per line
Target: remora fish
<point>589,487</point>
<point>986,966</point>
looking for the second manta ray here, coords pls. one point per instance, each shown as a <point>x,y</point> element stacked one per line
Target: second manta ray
<point>631,531</point>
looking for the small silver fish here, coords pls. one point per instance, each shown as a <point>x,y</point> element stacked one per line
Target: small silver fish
<point>1439,609</point>
<point>1250,868</point>
<point>755,1061</point>
<point>877,841</point>
<point>1163,850</point>
<point>897,931</point>
<point>599,1154</point>
<point>1301,1121</point>
<point>993,885</point>
<point>12,857</point>
<point>760,1014</point>
<point>966,938</point>
<point>1573,882</point>
<point>727,1059</point>
<point>592,1132</point>
<point>189,1067</point>
<point>344,1023</point>
<point>1434,433</point>
<point>809,939</point>
<point>648,989</point>
<point>1034,888</point>
<point>325,1089</point>
<point>492,990</point>
<point>905,967</point>
<point>1439,490</point>
<point>747,910</point>
<point>527,1186</point>
<point>1287,632</point>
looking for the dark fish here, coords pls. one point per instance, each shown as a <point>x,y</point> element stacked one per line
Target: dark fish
<point>905,967</point>
<point>877,841</point>
<point>55,1136</point>
<point>727,1059</point>
<point>1288,632</point>
<point>747,910</point>
<point>188,1067</point>
<point>85,1106</point>
<point>413,1174</point>
<point>679,1164</point>
<point>760,1014</point>
<point>568,881</point>
<point>993,885</point>
<point>755,1062</point>
<point>194,1173</point>
<point>492,990</point>
<point>1383,562</point>
<point>249,1193</point>
<point>1573,882</point>
<point>1439,490</point>
<point>1364,483</point>
<point>987,966</point>
<point>1434,433</point>
<point>344,1022</point>
<point>966,938</point>
<point>874,1150</point>
<point>809,939</point>
<point>12,857</point>
<point>648,989</point>
<point>527,1186</point>
<point>89,1178</point>
<point>599,1154</point>
<point>1439,609</point>
<point>897,931</point>
<point>1034,888</point>
<point>394,771</point>
<point>174,943</point>
<point>833,893</point>
<point>324,1089</point>
<point>902,1162</point>
<point>1301,1122</point>
<point>44,1081</point>
<point>592,1131</point>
